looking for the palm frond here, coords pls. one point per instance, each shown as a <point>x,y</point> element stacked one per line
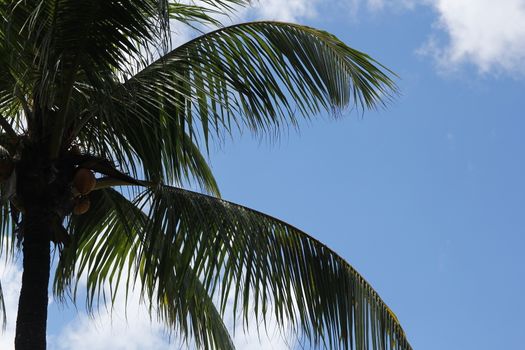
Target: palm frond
<point>192,14</point>
<point>8,226</point>
<point>9,220</point>
<point>58,41</point>
<point>261,75</point>
<point>2,308</point>
<point>104,247</point>
<point>222,7</point>
<point>7,245</point>
<point>156,148</point>
<point>264,263</point>
<point>99,31</point>
<point>260,264</point>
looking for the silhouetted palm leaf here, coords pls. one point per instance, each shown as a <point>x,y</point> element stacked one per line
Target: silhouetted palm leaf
<point>239,256</point>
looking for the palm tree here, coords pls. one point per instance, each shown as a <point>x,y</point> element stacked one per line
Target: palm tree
<point>94,87</point>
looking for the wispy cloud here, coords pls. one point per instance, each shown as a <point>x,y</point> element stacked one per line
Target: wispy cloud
<point>378,5</point>
<point>289,10</point>
<point>128,326</point>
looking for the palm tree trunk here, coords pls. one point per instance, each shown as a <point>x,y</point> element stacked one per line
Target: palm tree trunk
<point>32,305</point>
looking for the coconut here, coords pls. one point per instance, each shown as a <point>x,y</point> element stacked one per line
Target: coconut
<point>82,206</point>
<point>84,181</point>
<point>6,168</point>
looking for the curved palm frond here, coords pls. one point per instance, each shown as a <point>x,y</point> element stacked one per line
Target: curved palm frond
<point>259,74</point>
<point>244,257</point>
<point>261,260</point>
<point>112,233</point>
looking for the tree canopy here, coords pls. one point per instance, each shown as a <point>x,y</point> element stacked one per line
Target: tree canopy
<point>97,85</point>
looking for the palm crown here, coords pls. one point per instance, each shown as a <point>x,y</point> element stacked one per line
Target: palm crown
<point>95,85</point>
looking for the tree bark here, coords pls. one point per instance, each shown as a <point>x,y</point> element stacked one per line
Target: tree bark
<point>32,305</point>
<point>43,188</point>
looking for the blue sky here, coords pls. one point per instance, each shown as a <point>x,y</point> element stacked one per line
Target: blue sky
<point>426,198</point>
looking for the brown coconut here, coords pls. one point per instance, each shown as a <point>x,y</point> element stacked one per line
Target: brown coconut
<point>6,168</point>
<point>81,206</point>
<point>84,181</point>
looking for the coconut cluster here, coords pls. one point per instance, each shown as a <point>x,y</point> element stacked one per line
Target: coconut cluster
<point>84,181</point>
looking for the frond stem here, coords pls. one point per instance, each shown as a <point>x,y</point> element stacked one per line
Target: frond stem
<point>107,182</point>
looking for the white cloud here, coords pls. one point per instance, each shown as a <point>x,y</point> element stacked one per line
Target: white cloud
<point>487,33</point>
<point>10,276</point>
<point>123,329</point>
